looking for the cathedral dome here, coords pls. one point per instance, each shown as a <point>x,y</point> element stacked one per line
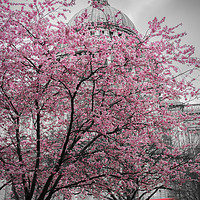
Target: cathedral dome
<point>101,11</point>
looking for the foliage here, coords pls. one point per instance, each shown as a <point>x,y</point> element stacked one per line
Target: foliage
<point>86,111</point>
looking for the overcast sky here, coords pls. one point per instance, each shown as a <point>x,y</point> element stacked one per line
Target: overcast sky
<point>141,12</point>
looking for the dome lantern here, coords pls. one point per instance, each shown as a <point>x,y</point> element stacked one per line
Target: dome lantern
<point>100,2</point>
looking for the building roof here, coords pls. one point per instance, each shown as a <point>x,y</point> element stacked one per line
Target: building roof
<point>101,11</point>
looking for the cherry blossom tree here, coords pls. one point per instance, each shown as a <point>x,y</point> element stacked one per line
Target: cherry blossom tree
<point>86,112</point>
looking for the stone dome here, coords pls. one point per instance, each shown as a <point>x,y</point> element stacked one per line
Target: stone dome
<point>101,11</point>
